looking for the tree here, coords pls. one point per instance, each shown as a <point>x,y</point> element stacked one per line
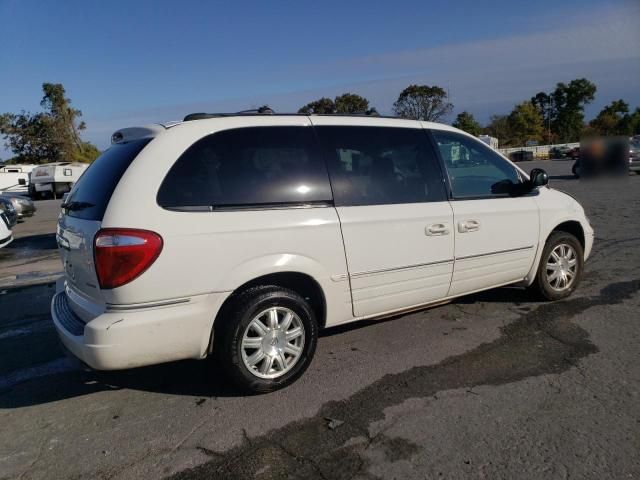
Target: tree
<point>566,107</point>
<point>613,119</point>
<point>465,121</point>
<point>347,103</point>
<point>525,123</point>
<point>632,122</point>
<point>49,136</point>
<point>351,103</point>
<point>320,106</point>
<point>28,136</point>
<point>422,102</point>
<point>499,128</point>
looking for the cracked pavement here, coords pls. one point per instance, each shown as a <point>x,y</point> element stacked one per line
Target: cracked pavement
<point>495,385</point>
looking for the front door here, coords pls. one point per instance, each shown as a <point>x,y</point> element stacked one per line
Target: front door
<point>396,223</point>
<point>496,235</point>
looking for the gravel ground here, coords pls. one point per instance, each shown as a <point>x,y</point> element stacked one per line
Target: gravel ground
<point>495,385</point>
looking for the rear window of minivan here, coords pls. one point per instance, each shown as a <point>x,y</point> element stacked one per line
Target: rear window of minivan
<point>93,190</point>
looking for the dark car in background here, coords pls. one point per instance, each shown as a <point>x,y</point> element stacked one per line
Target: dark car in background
<point>9,211</point>
<point>23,205</point>
<point>634,154</point>
<point>521,156</point>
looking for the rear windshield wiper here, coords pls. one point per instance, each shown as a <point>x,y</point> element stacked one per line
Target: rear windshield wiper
<point>77,205</point>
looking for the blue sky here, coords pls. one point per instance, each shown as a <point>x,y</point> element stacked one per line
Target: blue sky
<point>132,62</point>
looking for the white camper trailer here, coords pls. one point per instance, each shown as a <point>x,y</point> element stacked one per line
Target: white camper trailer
<point>489,140</point>
<point>55,179</point>
<point>15,178</point>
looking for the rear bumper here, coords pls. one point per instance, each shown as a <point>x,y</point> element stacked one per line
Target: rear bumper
<point>117,340</point>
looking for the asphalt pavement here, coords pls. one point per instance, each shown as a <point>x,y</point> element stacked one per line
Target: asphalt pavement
<point>494,385</point>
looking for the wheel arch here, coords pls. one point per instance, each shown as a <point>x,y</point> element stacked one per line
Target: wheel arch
<point>570,226</point>
<point>302,283</point>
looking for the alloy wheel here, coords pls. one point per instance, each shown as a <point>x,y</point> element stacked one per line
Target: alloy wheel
<point>273,342</point>
<point>561,267</point>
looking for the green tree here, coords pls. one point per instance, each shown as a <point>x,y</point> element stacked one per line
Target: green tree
<point>422,102</point>
<point>49,136</point>
<point>347,103</point>
<point>351,103</point>
<point>525,123</point>
<point>564,107</point>
<point>632,122</point>
<point>28,137</point>
<point>500,128</point>
<point>465,121</point>
<point>320,106</point>
<point>613,119</point>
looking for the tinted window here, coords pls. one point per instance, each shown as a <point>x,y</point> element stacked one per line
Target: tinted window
<point>474,169</point>
<point>381,165</point>
<point>98,182</point>
<point>247,167</point>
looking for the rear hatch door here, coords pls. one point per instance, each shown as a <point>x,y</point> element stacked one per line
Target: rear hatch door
<point>81,218</point>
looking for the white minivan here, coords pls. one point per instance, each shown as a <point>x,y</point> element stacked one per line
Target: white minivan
<point>241,236</point>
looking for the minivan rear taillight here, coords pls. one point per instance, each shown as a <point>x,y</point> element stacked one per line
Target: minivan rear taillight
<point>123,254</point>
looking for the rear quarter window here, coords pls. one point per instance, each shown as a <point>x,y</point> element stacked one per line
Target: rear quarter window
<point>251,167</point>
<point>95,186</point>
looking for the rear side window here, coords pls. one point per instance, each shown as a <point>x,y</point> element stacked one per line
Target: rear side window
<point>248,167</point>
<point>381,165</point>
<point>93,190</point>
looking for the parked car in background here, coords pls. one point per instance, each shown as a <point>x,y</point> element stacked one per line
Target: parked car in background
<point>23,205</point>
<point>6,236</point>
<point>574,153</point>
<point>7,208</point>
<point>241,236</point>
<point>52,180</point>
<point>634,154</point>
<point>521,156</point>
<point>559,152</point>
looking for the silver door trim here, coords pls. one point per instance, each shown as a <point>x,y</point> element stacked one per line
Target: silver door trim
<point>510,250</point>
<point>394,269</point>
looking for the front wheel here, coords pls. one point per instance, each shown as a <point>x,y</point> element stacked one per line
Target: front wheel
<point>561,266</point>
<point>267,338</point>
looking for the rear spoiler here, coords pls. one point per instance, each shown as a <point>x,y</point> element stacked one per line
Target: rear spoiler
<point>125,135</point>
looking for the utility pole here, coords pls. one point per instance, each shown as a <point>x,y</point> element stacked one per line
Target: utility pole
<point>549,122</point>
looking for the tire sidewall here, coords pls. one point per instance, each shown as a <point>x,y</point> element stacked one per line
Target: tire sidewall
<point>248,309</point>
<point>543,284</point>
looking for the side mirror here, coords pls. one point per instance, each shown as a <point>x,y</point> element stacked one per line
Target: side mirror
<point>538,178</point>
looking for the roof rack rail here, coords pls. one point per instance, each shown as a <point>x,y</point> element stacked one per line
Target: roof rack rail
<point>264,110</point>
<point>268,111</point>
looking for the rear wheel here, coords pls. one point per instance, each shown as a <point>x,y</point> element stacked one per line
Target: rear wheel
<point>561,266</point>
<point>267,338</point>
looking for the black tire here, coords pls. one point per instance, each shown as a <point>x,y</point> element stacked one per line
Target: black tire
<point>236,317</point>
<point>541,283</point>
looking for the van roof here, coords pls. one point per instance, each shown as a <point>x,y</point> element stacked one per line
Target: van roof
<point>125,135</point>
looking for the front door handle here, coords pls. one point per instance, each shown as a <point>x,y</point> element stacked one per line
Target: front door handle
<point>468,226</point>
<point>437,229</point>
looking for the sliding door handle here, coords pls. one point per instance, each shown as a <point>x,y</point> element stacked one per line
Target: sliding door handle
<point>437,229</point>
<point>468,226</point>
